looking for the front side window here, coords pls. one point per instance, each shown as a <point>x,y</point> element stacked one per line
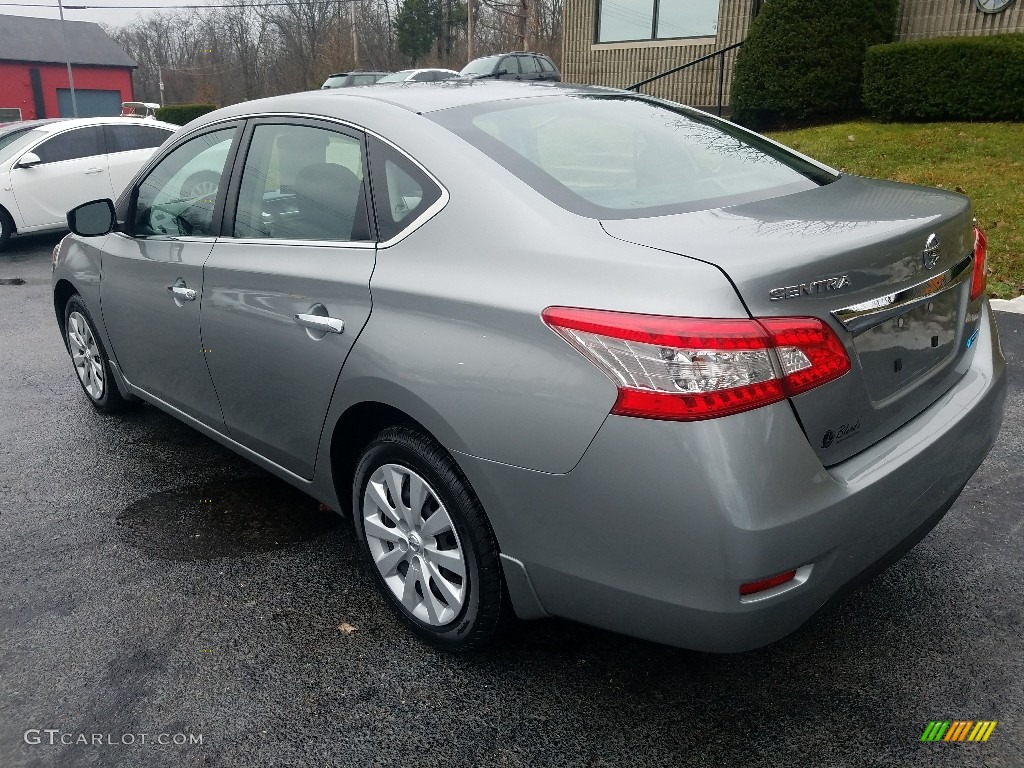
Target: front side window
<point>510,64</point>
<point>528,65</point>
<point>72,145</point>
<point>301,182</point>
<point>628,157</point>
<point>178,196</point>
<point>630,20</point>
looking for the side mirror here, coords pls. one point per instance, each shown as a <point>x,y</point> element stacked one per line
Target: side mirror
<point>28,160</point>
<point>92,219</point>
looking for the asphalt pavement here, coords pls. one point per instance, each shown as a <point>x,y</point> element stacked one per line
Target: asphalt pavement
<point>156,588</point>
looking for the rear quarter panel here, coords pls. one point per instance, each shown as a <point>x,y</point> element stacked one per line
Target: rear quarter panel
<point>456,338</point>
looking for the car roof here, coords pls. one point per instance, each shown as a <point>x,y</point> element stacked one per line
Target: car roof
<point>414,97</point>
<point>78,122</point>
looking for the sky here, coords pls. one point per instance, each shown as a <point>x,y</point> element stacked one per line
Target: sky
<point>48,9</point>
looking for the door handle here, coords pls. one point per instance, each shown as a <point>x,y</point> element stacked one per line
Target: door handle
<point>181,293</point>
<point>321,323</point>
<point>91,171</point>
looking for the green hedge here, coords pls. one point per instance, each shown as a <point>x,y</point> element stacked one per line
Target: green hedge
<point>179,114</point>
<point>961,78</point>
<point>803,60</point>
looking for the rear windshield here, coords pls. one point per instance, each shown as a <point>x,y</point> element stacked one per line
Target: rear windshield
<point>616,157</point>
<point>397,77</point>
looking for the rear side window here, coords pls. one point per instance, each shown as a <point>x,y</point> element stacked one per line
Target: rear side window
<point>402,192</point>
<point>71,145</point>
<point>127,138</point>
<point>628,157</point>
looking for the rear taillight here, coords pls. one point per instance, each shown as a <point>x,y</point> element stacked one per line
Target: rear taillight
<point>686,369</point>
<point>980,256</point>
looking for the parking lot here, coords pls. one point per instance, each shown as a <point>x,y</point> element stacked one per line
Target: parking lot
<point>156,584</point>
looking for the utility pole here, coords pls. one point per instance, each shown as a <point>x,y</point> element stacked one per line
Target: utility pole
<point>355,34</point>
<point>524,15</point>
<point>160,80</point>
<point>469,30</point>
<point>67,59</point>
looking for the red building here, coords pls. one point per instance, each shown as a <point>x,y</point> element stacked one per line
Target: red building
<point>34,76</point>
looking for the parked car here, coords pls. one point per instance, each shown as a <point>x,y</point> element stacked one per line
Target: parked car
<point>349,79</point>
<point>518,65</point>
<point>56,165</point>
<point>419,76</point>
<point>561,350</point>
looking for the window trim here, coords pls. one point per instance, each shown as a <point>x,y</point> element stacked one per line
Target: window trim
<point>234,185</point>
<point>415,224</point>
<point>638,42</point>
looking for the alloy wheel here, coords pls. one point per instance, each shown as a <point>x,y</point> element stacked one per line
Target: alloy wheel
<point>85,355</point>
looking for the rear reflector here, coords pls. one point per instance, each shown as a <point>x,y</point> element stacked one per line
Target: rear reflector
<point>980,257</point>
<point>687,369</point>
<point>772,581</point>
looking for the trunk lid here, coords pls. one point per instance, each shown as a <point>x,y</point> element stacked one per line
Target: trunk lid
<point>851,253</point>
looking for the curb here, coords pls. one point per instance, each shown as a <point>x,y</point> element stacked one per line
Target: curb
<point>1014,305</point>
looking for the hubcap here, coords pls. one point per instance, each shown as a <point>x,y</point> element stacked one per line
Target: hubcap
<point>85,355</point>
<point>204,189</point>
<point>414,544</point>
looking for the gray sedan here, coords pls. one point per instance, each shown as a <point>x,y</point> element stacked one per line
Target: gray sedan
<point>561,351</point>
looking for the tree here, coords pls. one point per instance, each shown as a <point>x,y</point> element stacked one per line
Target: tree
<point>417,25</point>
<point>803,60</point>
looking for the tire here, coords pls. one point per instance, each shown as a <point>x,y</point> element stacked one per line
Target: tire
<point>89,358</point>
<point>6,228</point>
<point>451,593</point>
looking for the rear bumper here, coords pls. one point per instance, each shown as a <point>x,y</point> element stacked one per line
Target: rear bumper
<point>654,530</point>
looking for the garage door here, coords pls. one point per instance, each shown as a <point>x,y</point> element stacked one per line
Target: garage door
<point>91,103</point>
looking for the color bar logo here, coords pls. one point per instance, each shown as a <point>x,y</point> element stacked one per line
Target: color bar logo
<point>958,730</point>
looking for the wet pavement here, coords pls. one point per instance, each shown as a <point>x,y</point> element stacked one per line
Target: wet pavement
<point>154,586</point>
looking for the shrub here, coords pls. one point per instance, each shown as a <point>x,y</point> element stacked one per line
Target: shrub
<point>961,78</point>
<point>179,114</point>
<point>803,60</point>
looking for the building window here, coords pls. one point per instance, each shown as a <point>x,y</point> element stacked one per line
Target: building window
<point>632,20</point>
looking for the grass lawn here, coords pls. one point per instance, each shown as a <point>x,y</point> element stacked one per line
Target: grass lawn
<point>985,161</point>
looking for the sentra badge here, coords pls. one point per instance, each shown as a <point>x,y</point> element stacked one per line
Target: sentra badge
<point>812,288</point>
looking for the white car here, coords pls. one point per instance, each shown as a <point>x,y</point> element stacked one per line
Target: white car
<point>418,76</point>
<point>47,171</point>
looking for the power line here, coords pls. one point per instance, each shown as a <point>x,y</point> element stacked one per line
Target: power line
<point>270,4</point>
